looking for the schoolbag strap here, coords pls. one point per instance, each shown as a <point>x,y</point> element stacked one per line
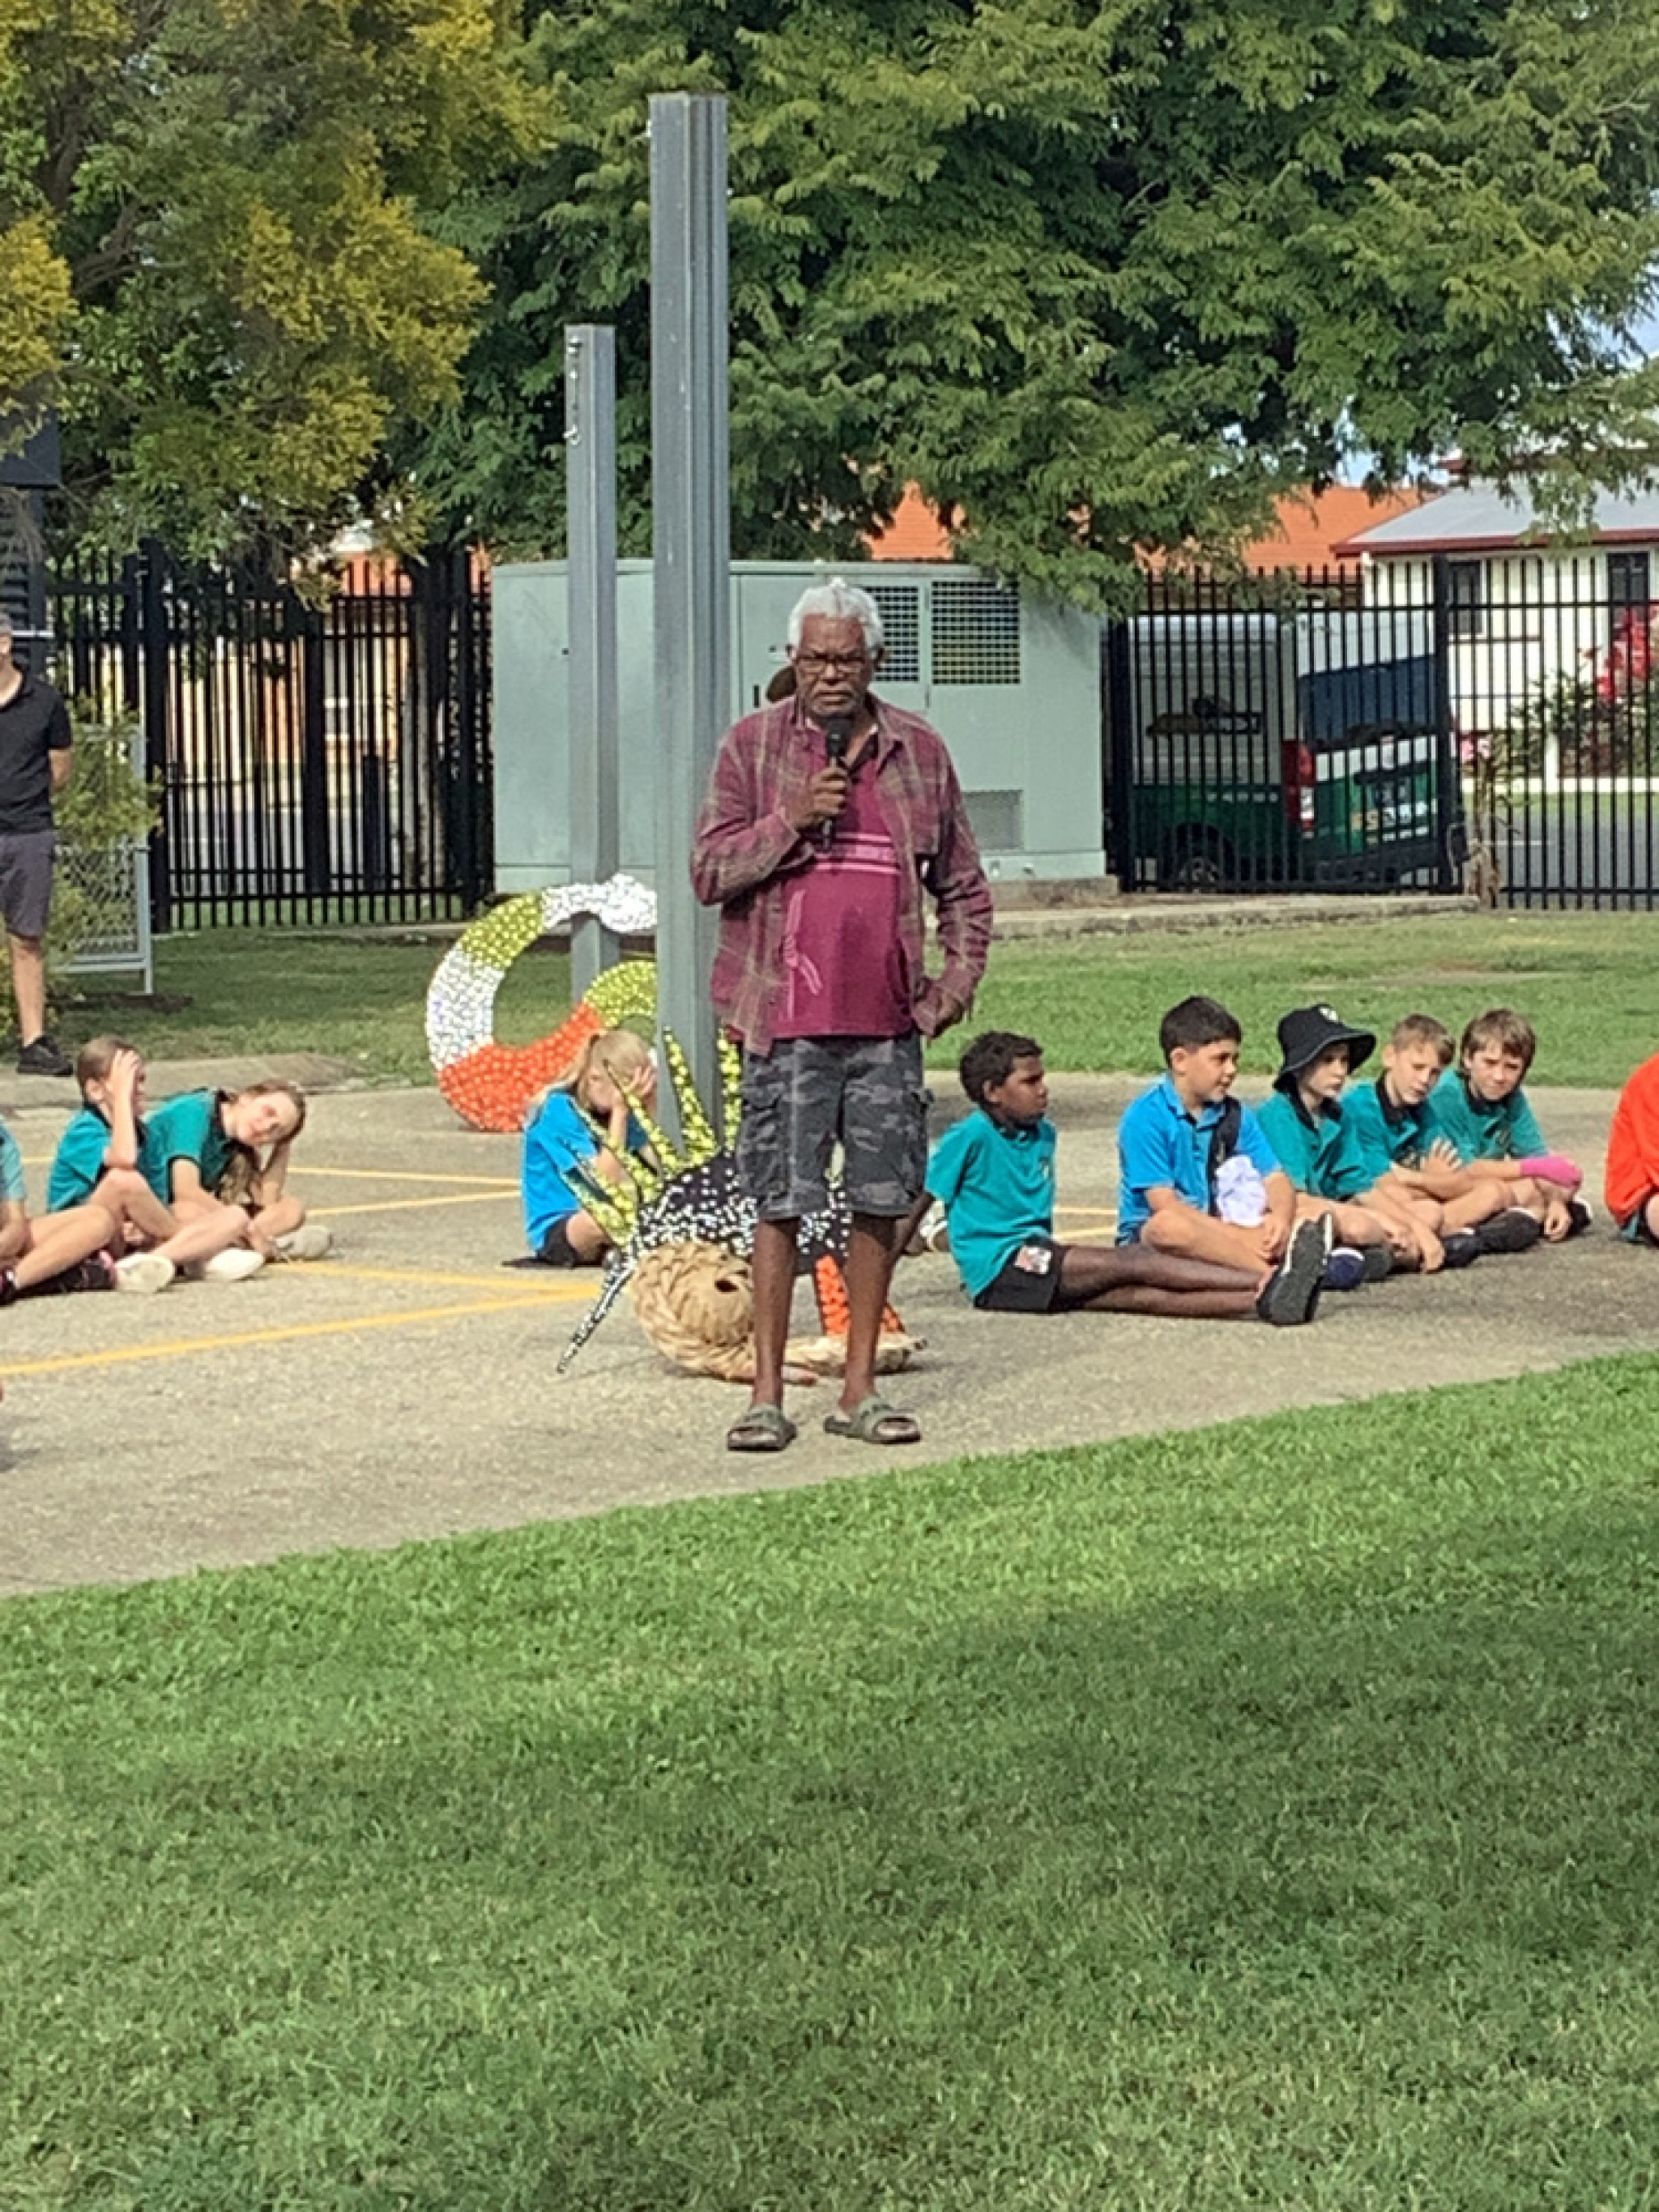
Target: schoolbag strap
<point>1224,1142</point>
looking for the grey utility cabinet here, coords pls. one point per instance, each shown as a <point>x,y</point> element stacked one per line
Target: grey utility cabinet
<point>1011,684</point>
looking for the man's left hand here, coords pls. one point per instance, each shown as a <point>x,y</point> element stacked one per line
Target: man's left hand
<point>947,1010</point>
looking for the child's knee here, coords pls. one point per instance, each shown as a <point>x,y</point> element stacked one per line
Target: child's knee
<point>1168,1232</point>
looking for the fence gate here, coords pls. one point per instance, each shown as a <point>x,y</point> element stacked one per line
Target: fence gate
<point>321,758</point>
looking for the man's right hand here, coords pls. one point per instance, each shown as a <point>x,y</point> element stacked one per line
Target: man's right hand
<point>824,798</point>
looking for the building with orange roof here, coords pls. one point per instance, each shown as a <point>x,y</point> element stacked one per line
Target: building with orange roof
<point>1309,527</point>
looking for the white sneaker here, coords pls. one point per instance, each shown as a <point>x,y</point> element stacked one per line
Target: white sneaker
<point>310,1241</point>
<point>234,1266</point>
<point>143,1272</point>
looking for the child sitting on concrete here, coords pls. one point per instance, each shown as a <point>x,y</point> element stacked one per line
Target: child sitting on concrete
<point>63,1252</point>
<point>1481,1109</point>
<point>1630,1184</point>
<point>993,1174</point>
<point>1318,1148</point>
<point>1196,1175</point>
<point>1459,1216</point>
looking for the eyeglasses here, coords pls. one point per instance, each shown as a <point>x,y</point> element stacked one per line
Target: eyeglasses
<point>840,663</point>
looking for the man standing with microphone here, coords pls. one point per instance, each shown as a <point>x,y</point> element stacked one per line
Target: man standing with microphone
<point>830,818</point>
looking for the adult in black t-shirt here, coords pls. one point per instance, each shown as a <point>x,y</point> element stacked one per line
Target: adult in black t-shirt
<point>34,765</point>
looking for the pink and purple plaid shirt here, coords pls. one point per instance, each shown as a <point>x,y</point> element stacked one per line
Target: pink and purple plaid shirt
<point>746,849</point>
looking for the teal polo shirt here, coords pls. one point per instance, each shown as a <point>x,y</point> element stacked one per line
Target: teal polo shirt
<point>187,1127</point>
<point>1321,1156</point>
<point>78,1162</point>
<point>996,1182</point>
<point>1505,1129</point>
<point>11,1169</point>
<point>1388,1136</point>
<point>1161,1145</point>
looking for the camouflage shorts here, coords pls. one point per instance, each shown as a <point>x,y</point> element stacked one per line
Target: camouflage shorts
<point>806,1094</point>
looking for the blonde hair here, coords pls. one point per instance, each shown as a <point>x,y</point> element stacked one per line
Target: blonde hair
<point>618,1054</point>
<point>239,1183</point>
<point>1423,1029</point>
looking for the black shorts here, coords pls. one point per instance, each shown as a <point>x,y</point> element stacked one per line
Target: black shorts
<point>556,1250</point>
<point>1031,1288</point>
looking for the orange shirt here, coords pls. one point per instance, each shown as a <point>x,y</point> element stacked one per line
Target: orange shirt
<point>1632,1173</point>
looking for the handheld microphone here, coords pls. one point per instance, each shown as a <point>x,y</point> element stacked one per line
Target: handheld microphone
<point>837,737</point>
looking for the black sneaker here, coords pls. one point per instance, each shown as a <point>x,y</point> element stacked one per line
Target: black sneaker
<point>1462,1247</point>
<point>43,1058</point>
<point>9,1290</point>
<point>1514,1230</point>
<point>1379,1262</point>
<point>1580,1217</point>
<point>95,1273</point>
<point>1290,1296</point>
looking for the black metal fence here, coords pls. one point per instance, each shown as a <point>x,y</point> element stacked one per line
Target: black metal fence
<point>1434,721</point>
<point>321,757</point>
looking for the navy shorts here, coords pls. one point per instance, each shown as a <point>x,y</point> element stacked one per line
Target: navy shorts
<point>1029,1280</point>
<point>809,1094</point>
<point>26,858</point>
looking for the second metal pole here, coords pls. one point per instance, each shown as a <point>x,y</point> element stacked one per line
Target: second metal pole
<point>590,432</point>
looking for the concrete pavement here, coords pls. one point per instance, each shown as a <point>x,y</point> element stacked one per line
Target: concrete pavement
<point>407,1388</point>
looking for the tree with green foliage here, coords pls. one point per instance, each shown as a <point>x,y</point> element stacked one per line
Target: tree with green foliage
<point>215,260</point>
<point>1096,274</point>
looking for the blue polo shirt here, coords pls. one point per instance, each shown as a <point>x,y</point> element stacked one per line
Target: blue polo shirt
<point>1161,1145</point>
<point>996,1182</point>
<point>557,1144</point>
<point>1389,1136</point>
<point>1482,1129</point>
<point>1321,1154</point>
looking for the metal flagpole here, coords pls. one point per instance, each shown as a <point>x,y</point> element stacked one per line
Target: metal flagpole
<point>691,539</point>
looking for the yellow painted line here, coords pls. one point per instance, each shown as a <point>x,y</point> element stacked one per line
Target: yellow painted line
<point>1085,1212</point>
<point>181,1347</point>
<point>408,1204</point>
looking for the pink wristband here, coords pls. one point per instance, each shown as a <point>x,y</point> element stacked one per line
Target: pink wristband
<point>1552,1167</point>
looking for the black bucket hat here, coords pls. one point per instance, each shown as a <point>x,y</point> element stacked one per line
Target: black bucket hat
<point>1306,1032</point>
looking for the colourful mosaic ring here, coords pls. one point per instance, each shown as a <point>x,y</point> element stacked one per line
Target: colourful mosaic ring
<point>491,1084</point>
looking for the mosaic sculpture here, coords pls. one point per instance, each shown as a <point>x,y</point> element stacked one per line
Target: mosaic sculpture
<point>491,1084</point>
<point>683,1231</point>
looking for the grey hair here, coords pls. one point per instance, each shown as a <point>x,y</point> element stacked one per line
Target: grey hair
<point>838,601</point>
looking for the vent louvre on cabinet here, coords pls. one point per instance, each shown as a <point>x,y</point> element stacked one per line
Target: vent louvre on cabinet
<point>901,622</point>
<point>975,633</point>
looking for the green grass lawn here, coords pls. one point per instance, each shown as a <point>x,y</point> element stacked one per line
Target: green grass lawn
<point>1263,1817</point>
<point>1589,981</point>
